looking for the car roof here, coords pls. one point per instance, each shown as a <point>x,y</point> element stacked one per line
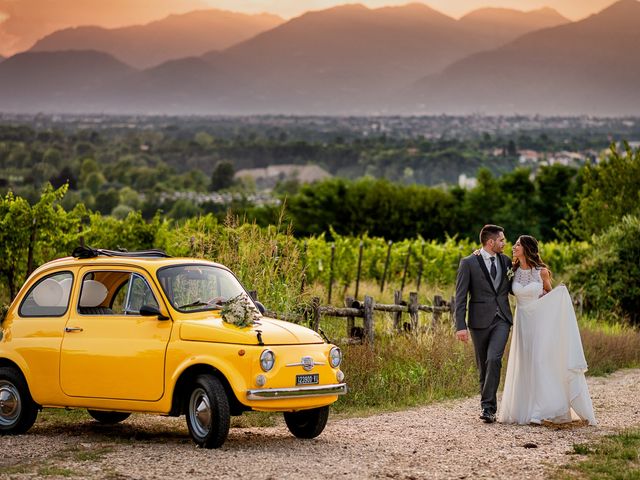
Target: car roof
<point>147,263</point>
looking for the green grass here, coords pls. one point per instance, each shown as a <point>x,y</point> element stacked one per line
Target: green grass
<point>615,457</point>
<point>53,470</point>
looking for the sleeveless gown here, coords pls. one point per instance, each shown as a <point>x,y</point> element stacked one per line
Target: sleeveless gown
<point>545,373</point>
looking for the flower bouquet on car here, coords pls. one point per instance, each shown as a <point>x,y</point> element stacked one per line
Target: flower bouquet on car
<point>240,311</point>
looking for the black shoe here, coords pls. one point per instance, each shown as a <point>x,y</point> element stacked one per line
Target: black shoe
<point>487,416</point>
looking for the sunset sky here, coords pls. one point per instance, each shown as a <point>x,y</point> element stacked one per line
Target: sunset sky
<point>22,22</point>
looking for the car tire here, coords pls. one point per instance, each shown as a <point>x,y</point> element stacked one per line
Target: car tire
<point>207,412</point>
<point>18,411</point>
<point>307,423</point>
<point>108,418</point>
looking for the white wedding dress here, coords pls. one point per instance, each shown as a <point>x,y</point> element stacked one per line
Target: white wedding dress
<point>545,372</point>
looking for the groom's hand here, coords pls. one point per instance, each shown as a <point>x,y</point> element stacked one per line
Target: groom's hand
<point>463,335</point>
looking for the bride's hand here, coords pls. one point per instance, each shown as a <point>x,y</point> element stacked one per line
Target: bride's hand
<point>476,252</point>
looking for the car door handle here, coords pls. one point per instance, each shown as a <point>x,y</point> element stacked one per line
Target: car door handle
<point>72,329</point>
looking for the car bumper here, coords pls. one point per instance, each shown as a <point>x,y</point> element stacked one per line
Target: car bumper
<point>297,392</point>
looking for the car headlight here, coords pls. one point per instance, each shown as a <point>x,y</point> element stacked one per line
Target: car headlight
<point>335,357</point>
<point>267,360</point>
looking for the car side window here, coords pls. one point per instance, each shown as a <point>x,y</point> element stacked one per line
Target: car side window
<point>118,300</point>
<point>139,294</point>
<point>49,297</point>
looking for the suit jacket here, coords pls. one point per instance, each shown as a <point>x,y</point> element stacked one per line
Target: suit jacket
<point>474,283</point>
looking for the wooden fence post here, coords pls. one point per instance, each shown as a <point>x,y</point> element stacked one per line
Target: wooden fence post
<point>437,315</point>
<point>351,321</point>
<point>397,316</point>
<point>368,319</point>
<point>413,310</point>
<point>315,315</point>
<point>359,269</point>
<point>452,310</point>
<point>333,254</point>
<point>386,266</point>
<point>304,267</point>
<point>406,267</point>
<point>420,267</point>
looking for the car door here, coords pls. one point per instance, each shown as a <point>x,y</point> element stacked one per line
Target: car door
<point>109,350</point>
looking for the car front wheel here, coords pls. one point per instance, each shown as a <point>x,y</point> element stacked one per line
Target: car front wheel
<point>307,423</point>
<point>208,416</point>
<point>18,411</point>
<point>108,418</point>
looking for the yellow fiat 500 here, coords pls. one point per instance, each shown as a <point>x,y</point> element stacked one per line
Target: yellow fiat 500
<point>117,333</point>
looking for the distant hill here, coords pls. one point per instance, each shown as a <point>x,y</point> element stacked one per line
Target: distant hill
<point>173,37</point>
<point>502,25</point>
<point>353,56</point>
<point>356,60</point>
<point>58,81</point>
<point>588,66</point>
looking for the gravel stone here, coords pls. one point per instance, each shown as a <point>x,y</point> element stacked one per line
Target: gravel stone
<point>446,440</point>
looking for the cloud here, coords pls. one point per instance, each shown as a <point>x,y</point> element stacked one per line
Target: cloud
<point>26,21</point>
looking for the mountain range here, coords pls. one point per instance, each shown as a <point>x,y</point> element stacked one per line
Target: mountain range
<point>177,36</point>
<point>590,66</point>
<point>343,60</point>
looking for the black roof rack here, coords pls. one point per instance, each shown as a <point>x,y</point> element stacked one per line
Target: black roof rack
<point>88,252</point>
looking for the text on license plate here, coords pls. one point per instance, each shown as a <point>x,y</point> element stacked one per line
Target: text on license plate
<point>309,379</point>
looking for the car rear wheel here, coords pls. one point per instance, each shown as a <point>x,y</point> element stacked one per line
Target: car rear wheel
<point>108,418</point>
<point>307,423</point>
<point>18,411</point>
<point>208,416</point>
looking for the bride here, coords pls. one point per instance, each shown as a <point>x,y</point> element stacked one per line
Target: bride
<point>545,372</point>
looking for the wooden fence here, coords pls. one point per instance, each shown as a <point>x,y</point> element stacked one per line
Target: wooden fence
<point>365,309</point>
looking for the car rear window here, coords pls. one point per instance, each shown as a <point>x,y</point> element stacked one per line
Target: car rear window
<point>49,297</point>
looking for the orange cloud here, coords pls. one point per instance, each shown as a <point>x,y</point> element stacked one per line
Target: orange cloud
<point>26,21</point>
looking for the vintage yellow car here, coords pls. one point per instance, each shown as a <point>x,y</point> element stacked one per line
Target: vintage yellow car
<point>117,332</point>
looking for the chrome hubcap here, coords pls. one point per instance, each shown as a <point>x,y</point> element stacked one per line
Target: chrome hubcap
<point>200,412</point>
<point>10,406</point>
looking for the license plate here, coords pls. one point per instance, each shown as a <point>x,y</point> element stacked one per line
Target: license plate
<point>309,379</point>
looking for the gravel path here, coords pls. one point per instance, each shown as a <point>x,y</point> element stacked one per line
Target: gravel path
<point>445,440</point>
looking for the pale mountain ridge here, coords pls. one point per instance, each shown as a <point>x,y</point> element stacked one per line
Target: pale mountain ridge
<point>174,37</point>
<point>274,76</point>
<point>506,24</point>
<point>585,67</point>
<point>58,81</point>
<point>352,53</point>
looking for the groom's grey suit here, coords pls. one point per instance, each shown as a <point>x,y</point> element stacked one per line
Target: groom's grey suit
<point>489,321</point>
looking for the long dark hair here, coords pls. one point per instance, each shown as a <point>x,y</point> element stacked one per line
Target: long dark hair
<point>531,253</point>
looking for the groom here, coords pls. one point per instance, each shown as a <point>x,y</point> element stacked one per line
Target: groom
<point>483,278</point>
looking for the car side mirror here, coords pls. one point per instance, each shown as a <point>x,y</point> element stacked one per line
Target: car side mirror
<point>151,311</point>
<point>260,307</point>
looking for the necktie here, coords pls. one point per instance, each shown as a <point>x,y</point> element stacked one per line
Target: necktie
<point>494,270</point>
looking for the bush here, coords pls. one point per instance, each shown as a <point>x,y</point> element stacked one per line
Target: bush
<point>609,275</point>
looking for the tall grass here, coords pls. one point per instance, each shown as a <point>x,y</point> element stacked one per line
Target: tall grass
<point>403,370</point>
<point>407,370</point>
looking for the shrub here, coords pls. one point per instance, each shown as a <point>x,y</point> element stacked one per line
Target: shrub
<point>609,275</point>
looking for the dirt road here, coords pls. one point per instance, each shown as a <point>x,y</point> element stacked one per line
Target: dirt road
<point>446,440</point>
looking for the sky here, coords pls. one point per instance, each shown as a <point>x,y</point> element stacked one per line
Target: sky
<point>23,22</point>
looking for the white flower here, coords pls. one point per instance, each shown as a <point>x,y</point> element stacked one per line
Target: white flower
<point>510,273</point>
<point>240,311</point>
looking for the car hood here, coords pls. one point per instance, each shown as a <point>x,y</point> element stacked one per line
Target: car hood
<point>272,332</point>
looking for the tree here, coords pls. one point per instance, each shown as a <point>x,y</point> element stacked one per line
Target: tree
<point>222,176</point>
<point>554,187</point>
<point>609,276</point>
<point>610,190</point>
<point>30,235</point>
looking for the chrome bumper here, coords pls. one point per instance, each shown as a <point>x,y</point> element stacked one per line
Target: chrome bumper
<point>314,391</point>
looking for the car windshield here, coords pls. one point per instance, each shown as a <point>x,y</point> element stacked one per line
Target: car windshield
<point>192,288</point>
